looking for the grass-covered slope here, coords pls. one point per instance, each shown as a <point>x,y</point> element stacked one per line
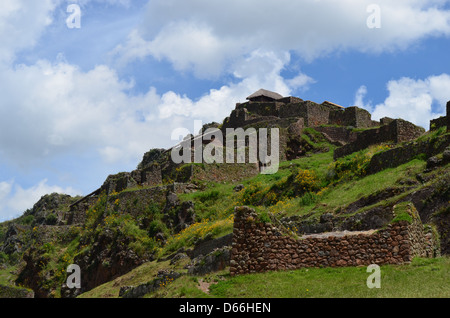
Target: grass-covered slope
<point>129,238</point>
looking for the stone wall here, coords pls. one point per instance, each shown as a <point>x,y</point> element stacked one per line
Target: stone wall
<point>317,115</point>
<point>441,121</point>
<point>400,155</point>
<point>149,176</point>
<point>313,113</point>
<point>398,130</point>
<point>237,118</point>
<point>338,135</point>
<point>351,116</point>
<point>291,107</point>
<point>293,110</point>
<point>405,131</point>
<point>258,246</point>
<point>438,123</point>
<point>290,99</point>
<point>263,109</point>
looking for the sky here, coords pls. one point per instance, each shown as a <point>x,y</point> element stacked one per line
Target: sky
<point>88,86</point>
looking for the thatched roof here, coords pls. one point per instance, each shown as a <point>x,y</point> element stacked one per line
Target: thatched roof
<point>266,93</point>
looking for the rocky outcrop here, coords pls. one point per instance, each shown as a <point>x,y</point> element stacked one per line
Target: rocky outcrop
<point>51,209</point>
<point>12,242</point>
<point>215,261</point>
<point>109,257</point>
<point>178,215</point>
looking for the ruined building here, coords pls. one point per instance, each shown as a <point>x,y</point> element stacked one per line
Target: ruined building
<point>349,128</point>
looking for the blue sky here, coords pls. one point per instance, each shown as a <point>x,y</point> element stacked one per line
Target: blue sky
<point>78,104</point>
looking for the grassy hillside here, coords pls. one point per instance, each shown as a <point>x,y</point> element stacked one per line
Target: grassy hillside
<point>423,278</point>
<point>121,228</point>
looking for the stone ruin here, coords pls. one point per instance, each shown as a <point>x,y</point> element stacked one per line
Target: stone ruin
<point>351,129</point>
<point>441,121</point>
<point>261,108</point>
<point>259,246</point>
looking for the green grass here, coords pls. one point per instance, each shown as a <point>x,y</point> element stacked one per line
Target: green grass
<point>348,192</point>
<point>138,276</point>
<point>214,207</point>
<point>214,203</point>
<point>423,278</point>
<point>402,212</point>
<point>218,200</point>
<point>335,196</point>
<point>277,194</point>
<point>7,276</point>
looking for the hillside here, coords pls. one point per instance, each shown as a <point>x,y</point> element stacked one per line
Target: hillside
<point>173,230</point>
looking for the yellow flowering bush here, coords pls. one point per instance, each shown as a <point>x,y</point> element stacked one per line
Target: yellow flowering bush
<point>281,207</point>
<point>198,230</point>
<point>306,181</point>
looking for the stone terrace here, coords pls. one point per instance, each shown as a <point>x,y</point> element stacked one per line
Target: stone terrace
<point>259,247</point>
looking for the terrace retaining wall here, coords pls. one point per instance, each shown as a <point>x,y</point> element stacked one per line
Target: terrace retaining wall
<point>259,246</point>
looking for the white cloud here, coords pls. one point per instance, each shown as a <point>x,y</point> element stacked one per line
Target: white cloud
<point>14,200</point>
<point>260,69</point>
<point>359,98</point>
<point>21,24</point>
<point>5,190</point>
<point>50,109</point>
<point>417,101</point>
<point>300,81</point>
<point>208,37</point>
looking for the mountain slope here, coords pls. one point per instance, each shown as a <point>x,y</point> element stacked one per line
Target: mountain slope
<point>168,225</point>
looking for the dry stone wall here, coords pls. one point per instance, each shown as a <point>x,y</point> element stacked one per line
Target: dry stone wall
<point>438,123</point>
<point>337,135</point>
<point>258,246</point>
<point>400,155</point>
<point>351,116</point>
<point>397,131</point>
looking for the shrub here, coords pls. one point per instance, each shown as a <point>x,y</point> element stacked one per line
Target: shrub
<point>306,181</point>
<point>264,217</point>
<point>27,220</point>
<point>197,231</point>
<point>253,194</point>
<point>51,219</point>
<point>308,199</point>
<point>210,196</point>
<point>155,227</point>
<point>4,259</point>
